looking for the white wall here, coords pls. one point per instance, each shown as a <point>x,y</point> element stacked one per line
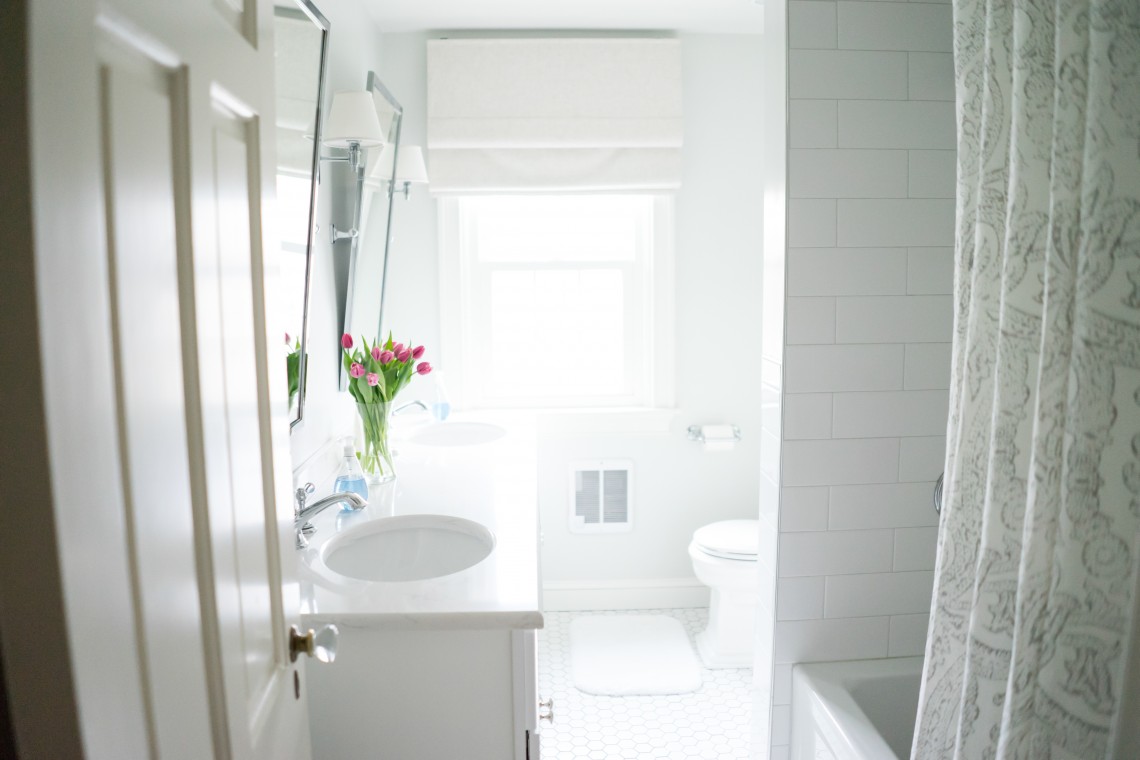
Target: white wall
<point>718,285</point>
<point>354,50</point>
<point>865,350</point>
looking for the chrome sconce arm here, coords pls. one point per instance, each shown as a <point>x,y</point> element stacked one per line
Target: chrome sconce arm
<point>353,125</point>
<point>357,162</point>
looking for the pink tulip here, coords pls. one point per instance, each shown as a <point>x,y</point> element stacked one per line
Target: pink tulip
<point>385,357</point>
<point>417,352</point>
<point>404,355</point>
<point>286,339</point>
<point>346,341</point>
<point>376,353</point>
<point>373,378</point>
<point>356,370</point>
<point>423,368</point>
<point>396,349</point>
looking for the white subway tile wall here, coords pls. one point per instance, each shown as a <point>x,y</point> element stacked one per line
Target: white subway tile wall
<point>927,365</point>
<point>807,415</point>
<point>930,271</point>
<point>931,173</point>
<point>908,635</point>
<point>818,173</point>
<point>799,598</point>
<point>810,222</point>
<point>809,320</point>
<point>844,368</point>
<point>867,330</point>
<point>849,271</point>
<point>878,594</point>
<point>895,221</point>
<point>862,638</point>
<point>874,26</point>
<point>814,123</point>
<point>930,76</point>
<point>897,124</point>
<point>914,548</point>
<point>835,74</point>
<point>811,25</point>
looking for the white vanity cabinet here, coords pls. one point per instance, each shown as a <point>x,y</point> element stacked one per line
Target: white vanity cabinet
<point>427,694</point>
<point>443,667</point>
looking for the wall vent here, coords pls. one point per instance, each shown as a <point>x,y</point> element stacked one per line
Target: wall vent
<point>601,496</point>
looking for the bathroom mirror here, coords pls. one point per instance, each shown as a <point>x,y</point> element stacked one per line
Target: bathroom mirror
<point>301,34</point>
<point>367,276</point>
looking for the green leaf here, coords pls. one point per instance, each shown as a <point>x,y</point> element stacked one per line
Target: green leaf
<point>383,385</point>
<point>293,371</point>
<point>362,387</point>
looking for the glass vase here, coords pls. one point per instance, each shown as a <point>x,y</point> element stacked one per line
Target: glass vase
<point>376,453</point>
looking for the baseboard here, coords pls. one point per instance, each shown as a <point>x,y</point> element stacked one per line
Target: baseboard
<point>629,594</point>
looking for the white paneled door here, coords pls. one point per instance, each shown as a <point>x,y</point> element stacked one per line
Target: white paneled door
<point>151,125</point>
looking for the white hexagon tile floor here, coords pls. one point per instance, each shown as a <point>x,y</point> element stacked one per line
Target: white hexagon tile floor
<point>713,723</point>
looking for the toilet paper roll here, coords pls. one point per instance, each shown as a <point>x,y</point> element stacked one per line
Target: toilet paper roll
<point>719,437</point>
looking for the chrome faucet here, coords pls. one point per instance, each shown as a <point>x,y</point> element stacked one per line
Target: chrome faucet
<point>409,405</point>
<point>302,512</point>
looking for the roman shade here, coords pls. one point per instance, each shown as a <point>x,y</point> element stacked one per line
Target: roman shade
<point>549,115</point>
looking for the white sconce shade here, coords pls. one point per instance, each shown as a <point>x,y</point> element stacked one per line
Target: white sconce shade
<point>352,120</point>
<point>410,166</point>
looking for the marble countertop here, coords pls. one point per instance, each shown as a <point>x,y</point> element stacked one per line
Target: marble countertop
<point>491,483</point>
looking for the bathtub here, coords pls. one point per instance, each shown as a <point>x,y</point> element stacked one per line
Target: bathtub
<point>858,710</point>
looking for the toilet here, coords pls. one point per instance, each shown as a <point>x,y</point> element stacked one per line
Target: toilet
<point>724,559</point>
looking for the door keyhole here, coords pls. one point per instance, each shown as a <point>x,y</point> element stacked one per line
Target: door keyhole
<point>296,685</point>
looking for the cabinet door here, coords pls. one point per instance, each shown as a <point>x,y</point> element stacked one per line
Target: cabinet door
<point>527,734</point>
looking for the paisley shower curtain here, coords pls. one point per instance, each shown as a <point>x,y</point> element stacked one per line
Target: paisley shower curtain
<point>1038,550</point>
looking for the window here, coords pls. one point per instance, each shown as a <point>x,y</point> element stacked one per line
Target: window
<point>558,300</point>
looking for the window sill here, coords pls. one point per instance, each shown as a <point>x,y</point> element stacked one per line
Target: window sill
<point>622,420</point>
<point>629,420</point>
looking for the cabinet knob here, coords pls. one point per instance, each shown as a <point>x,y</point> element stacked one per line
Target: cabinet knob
<point>320,645</point>
<point>547,705</point>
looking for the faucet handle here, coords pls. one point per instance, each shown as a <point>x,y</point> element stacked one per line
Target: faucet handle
<point>302,496</point>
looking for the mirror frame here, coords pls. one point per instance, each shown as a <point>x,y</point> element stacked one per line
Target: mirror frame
<point>376,87</point>
<point>306,9</point>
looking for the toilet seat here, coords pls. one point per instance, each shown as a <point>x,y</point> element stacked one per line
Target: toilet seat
<point>729,539</point>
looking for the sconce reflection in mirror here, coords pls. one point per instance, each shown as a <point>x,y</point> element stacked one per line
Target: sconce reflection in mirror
<point>364,127</point>
<point>353,126</point>
<point>410,168</point>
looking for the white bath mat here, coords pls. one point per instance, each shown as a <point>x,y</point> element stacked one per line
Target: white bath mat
<point>625,655</point>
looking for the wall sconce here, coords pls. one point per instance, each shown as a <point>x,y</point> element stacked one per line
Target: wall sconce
<point>410,168</point>
<point>353,126</point>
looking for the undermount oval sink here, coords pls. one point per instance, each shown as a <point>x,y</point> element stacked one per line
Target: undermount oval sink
<point>408,548</point>
<point>458,434</point>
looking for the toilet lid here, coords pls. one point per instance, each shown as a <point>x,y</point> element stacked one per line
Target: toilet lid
<point>734,539</point>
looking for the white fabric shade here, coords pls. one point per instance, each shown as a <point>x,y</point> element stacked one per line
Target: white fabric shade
<point>554,114</point>
<point>353,119</point>
<point>410,165</point>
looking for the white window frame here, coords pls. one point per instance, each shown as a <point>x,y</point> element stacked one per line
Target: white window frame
<point>457,305</point>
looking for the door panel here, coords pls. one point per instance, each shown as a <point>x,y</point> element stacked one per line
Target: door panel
<point>261,627</point>
<point>150,188</point>
<point>136,105</point>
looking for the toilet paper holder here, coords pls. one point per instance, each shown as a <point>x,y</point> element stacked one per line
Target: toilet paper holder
<point>696,433</point>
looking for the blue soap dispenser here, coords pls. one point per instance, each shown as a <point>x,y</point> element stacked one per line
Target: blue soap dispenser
<point>351,477</point>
